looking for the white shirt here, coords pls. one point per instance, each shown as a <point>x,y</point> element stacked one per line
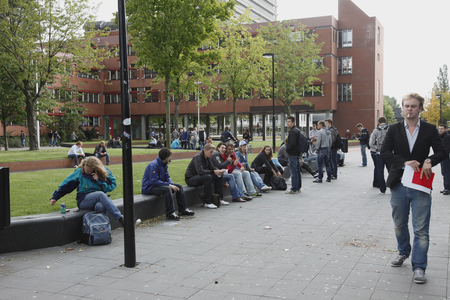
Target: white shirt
<point>412,138</point>
<point>75,150</point>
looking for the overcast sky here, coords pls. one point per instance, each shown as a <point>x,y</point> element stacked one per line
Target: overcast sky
<point>416,40</point>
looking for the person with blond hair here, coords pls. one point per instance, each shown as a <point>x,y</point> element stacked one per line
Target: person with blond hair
<point>92,181</point>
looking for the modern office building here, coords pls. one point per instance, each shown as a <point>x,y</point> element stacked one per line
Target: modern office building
<point>261,10</point>
<point>351,90</point>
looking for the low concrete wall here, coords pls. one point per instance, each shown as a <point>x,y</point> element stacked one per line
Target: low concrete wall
<point>56,229</point>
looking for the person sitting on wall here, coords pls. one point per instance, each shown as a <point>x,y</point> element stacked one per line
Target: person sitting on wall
<point>76,151</point>
<point>176,144</point>
<point>157,181</point>
<point>263,164</point>
<point>100,151</point>
<point>227,136</point>
<point>117,143</point>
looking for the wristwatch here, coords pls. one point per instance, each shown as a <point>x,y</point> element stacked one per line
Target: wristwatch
<point>428,160</point>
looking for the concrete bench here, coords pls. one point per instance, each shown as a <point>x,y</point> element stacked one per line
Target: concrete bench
<point>56,229</point>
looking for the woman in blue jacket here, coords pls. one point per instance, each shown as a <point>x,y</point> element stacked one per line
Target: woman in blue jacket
<point>92,181</point>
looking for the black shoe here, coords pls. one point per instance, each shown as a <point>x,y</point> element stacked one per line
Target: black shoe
<point>187,212</point>
<point>238,200</point>
<point>173,216</point>
<point>318,181</point>
<point>334,178</point>
<point>398,261</point>
<point>328,180</point>
<point>442,191</point>
<point>246,198</point>
<point>122,221</point>
<point>446,192</point>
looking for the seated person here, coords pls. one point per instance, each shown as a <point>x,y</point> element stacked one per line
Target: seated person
<point>227,136</point>
<point>241,154</point>
<point>311,155</point>
<point>283,159</point>
<point>117,143</point>
<point>210,141</point>
<point>201,171</point>
<point>100,151</point>
<point>92,181</point>
<point>176,144</point>
<point>246,136</point>
<point>160,143</point>
<point>157,181</point>
<point>110,143</point>
<point>263,165</point>
<point>239,172</point>
<point>219,162</point>
<point>76,151</point>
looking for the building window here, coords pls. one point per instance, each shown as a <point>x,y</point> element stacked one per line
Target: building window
<point>114,75</point>
<point>134,74</point>
<point>149,73</point>
<point>345,38</point>
<point>88,97</point>
<point>131,51</point>
<point>378,91</point>
<point>112,98</point>
<point>91,74</point>
<point>344,92</point>
<point>90,121</point>
<point>151,97</point>
<point>378,56</point>
<point>313,91</point>
<point>318,62</point>
<point>134,98</point>
<point>344,65</point>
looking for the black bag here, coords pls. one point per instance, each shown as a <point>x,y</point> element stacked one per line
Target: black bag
<point>339,142</point>
<point>96,229</point>
<point>278,183</point>
<point>303,145</point>
<point>344,147</point>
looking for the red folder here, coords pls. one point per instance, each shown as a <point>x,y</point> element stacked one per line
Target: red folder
<point>424,181</point>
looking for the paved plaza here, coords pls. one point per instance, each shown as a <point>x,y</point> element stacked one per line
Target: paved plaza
<point>332,241</point>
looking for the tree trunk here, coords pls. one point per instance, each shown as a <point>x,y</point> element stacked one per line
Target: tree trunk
<point>288,111</point>
<point>31,119</point>
<point>234,117</point>
<point>166,96</point>
<point>5,137</point>
<point>177,110</point>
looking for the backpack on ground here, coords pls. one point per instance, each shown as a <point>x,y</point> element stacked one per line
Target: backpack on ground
<point>96,229</point>
<point>278,183</point>
<point>303,145</point>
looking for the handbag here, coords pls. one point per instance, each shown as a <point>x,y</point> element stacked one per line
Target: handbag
<point>278,183</point>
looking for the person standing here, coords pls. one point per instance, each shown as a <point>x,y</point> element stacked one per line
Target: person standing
<point>73,137</point>
<point>373,154</point>
<point>175,135</point>
<point>22,138</point>
<point>363,141</point>
<point>50,138</point>
<point>445,164</point>
<point>407,143</point>
<point>194,138</point>
<point>323,151</point>
<point>313,132</point>
<point>185,139</point>
<point>157,181</point>
<point>100,151</point>
<point>201,138</point>
<point>292,149</point>
<point>377,139</point>
<point>333,148</point>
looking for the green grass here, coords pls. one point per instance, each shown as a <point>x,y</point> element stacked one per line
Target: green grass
<point>31,191</point>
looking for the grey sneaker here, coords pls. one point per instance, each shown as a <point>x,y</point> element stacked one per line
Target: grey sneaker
<point>291,192</point>
<point>419,276</point>
<point>398,261</point>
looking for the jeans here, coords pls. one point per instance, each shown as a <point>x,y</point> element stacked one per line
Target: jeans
<point>323,156</point>
<point>103,155</point>
<point>50,143</point>
<point>23,142</point>
<point>206,180</point>
<point>363,154</point>
<point>375,182</point>
<point>242,177</point>
<point>234,190</point>
<point>201,145</point>
<point>195,145</point>
<point>380,163</point>
<point>257,181</point>
<point>75,158</point>
<point>445,171</point>
<point>168,197</point>
<point>310,158</point>
<point>100,202</point>
<point>402,198</point>
<point>296,173</point>
<point>334,162</point>
<point>55,142</point>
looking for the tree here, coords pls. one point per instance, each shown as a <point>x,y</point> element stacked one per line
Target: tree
<point>442,93</point>
<point>166,35</point>
<point>297,61</point>
<point>41,39</point>
<point>242,61</point>
<point>431,110</point>
<point>388,113</point>
<point>391,101</point>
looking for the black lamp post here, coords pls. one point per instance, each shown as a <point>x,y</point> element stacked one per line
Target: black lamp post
<point>272,55</point>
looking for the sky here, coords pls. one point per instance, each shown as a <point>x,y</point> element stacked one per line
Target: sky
<point>416,37</point>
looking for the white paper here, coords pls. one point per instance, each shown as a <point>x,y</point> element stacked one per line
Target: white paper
<point>407,180</point>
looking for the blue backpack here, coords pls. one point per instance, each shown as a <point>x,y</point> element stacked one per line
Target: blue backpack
<point>96,229</point>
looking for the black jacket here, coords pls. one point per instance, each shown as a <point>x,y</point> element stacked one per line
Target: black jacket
<point>293,141</point>
<point>446,140</point>
<point>395,149</point>
<point>199,165</point>
<point>260,160</point>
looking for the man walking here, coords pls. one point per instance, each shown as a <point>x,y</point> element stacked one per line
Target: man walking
<point>333,148</point>
<point>445,164</point>
<point>407,144</point>
<point>292,149</point>
<point>50,138</point>
<point>157,181</point>
<point>363,141</point>
<point>22,138</point>
<point>55,138</point>
<point>376,140</point>
<point>323,151</point>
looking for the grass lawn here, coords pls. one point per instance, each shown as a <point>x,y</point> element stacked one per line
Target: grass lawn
<point>31,191</point>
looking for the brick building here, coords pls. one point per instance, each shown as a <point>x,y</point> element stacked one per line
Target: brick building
<point>352,89</point>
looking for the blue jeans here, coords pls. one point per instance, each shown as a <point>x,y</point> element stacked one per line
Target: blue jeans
<point>257,181</point>
<point>234,190</point>
<point>296,173</point>
<point>402,198</point>
<point>445,171</point>
<point>168,197</point>
<point>242,177</point>
<point>55,142</point>
<point>23,142</point>
<point>100,202</point>
<point>380,163</point>
<point>334,162</point>
<point>103,155</point>
<point>323,156</point>
<point>201,145</point>
<point>363,154</point>
<point>195,144</point>
<point>75,158</point>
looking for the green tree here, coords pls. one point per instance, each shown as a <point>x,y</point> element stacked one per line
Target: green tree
<point>442,94</point>
<point>388,113</point>
<point>242,61</point>
<point>431,110</point>
<point>391,101</point>
<point>41,39</point>
<point>168,33</point>
<point>297,61</point>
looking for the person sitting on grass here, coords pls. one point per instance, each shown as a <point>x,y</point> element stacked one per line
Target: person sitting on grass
<point>76,151</point>
<point>157,181</point>
<point>176,144</point>
<point>92,181</point>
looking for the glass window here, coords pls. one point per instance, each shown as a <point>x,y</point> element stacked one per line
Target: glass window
<point>345,65</point>
<point>344,92</point>
<point>134,74</point>
<point>345,38</point>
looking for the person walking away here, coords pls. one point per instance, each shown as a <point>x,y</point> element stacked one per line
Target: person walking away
<point>379,134</point>
<point>23,137</point>
<point>407,144</point>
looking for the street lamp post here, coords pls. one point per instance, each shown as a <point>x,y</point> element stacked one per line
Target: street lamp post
<point>198,106</point>
<point>272,55</point>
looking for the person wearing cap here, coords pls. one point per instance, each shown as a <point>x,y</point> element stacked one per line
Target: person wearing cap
<point>242,157</point>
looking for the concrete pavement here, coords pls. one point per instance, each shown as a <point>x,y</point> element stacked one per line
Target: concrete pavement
<point>333,241</point>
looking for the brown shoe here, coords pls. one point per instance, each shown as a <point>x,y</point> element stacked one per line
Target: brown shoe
<point>246,198</point>
<point>239,200</point>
